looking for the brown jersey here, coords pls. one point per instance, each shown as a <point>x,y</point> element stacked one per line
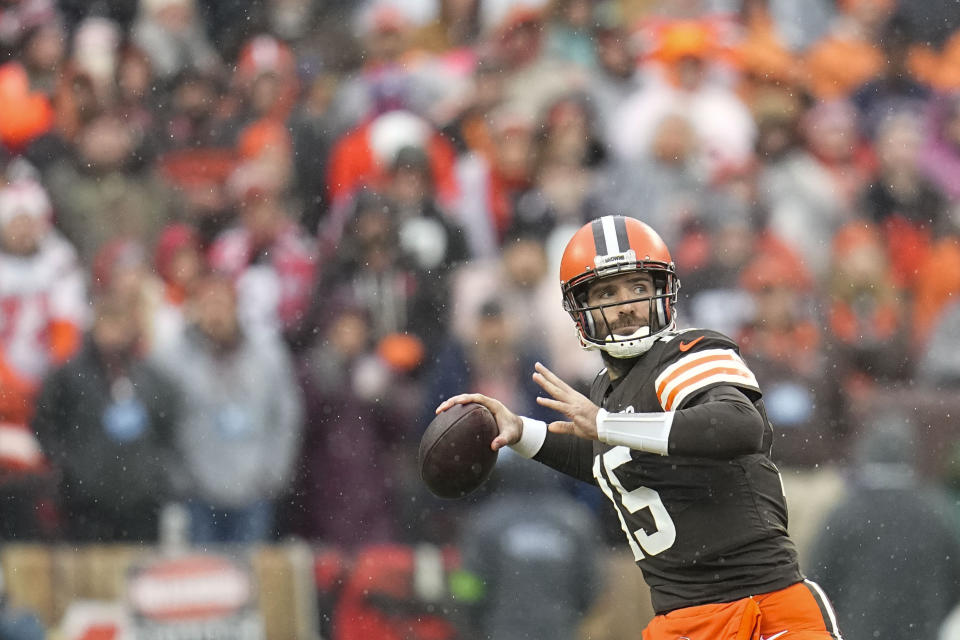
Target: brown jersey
<point>703,530</point>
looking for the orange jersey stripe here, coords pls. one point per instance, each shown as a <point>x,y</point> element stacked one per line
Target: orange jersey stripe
<point>692,361</point>
<point>701,376</point>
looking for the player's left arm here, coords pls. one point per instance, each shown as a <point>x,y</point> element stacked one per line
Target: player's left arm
<point>719,423</point>
<point>707,412</point>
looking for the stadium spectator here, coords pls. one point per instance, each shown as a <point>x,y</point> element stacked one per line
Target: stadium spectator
<point>371,262</point>
<point>908,208</point>
<point>940,157</point>
<point>467,122</point>
<point>18,19</point>
<point>848,55</point>
<point>884,586</point>
<point>44,51</point>
<point>385,81</point>
<point>532,78</point>
<point>99,196</point>
<point>272,261</point>
<point>180,264</point>
<point>784,340</point>
<point>786,347</point>
<point>527,534</point>
<point>494,179</point>
<point>358,408</point>
<point>812,192</point>
<point>936,283</point>
<point>518,279</point>
<point>265,81</point>
<point>122,267</point>
<point>670,180</point>
<point>135,90</point>
<point>43,312</point>
<point>106,421</point>
<point>568,154</point>
<point>797,27</point>
<point>427,233</point>
<point>896,88</point>
<point>312,136</point>
<point>615,77</point>
<point>238,434</point>
<point>194,118</point>
<point>688,85</point>
<point>173,37</point>
<point>42,297</point>
<point>569,33</point>
<point>94,54</point>
<point>718,244</point>
<point>869,324</point>
<point>778,126</point>
<point>491,358</point>
<point>363,156</point>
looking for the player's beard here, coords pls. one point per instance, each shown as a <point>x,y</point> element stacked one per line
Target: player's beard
<point>617,367</point>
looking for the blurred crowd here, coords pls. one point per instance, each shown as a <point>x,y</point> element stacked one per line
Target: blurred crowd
<point>246,247</point>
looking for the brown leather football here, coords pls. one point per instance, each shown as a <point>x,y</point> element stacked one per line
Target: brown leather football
<point>455,454</point>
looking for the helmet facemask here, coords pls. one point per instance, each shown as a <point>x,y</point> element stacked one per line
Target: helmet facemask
<point>596,324</point>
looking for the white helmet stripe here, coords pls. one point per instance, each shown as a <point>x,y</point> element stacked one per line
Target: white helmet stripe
<point>610,236</point>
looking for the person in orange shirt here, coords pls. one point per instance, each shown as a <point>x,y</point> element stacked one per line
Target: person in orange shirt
<point>848,56</point>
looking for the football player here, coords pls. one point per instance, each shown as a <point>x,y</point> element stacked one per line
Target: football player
<point>675,434</point>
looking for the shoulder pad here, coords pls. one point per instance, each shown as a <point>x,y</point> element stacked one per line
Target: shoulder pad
<point>695,360</point>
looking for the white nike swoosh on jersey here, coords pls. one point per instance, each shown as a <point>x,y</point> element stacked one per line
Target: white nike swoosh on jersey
<point>774,636</point>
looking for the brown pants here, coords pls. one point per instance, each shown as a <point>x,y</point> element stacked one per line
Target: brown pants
<point>799,612</point>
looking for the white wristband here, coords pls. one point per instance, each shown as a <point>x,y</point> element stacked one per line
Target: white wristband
<point>534,433</point>
<point>641,431</point>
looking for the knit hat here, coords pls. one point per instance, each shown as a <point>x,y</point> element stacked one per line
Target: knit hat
<point>25,197</point>
<point>172,239</point>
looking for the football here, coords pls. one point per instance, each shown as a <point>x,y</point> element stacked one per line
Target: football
<point>455,454</point>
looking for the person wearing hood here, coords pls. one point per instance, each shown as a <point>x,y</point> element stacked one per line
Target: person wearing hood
<point>888,554</point>
<point>530,557</point>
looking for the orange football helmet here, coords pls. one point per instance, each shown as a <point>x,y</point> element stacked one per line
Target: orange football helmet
<point>610,246</point>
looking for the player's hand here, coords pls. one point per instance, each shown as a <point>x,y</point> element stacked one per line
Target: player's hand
<point>508,423</point>
<point>577,407</point>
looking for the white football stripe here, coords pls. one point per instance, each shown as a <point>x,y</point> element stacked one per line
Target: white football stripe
<point>722,367</point>
<point>692,357</point>
<point>826,605</point>
<point>736,380</point>
<point>697,366</point>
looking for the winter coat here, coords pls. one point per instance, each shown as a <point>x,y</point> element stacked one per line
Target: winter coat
<point>240,428</point>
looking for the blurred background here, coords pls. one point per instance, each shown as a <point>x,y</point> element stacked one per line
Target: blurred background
<point>246,247</point>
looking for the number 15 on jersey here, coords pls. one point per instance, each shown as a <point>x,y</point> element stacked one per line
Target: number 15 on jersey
<point>633,501</point>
